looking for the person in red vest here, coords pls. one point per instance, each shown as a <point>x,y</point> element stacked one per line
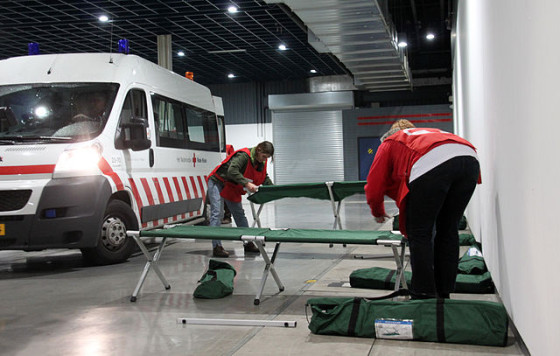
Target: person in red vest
<point>431,174</point>
<point>227,213</point>
<point>243,170</point>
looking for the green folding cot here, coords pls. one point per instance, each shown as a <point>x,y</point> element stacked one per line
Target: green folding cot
<point>259,236</point>
<point>335,192</point>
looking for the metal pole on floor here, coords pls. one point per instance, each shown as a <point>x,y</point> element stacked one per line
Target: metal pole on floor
<point>237,322</point>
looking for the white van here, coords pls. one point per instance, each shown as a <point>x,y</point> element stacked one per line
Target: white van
<point>92,145</point>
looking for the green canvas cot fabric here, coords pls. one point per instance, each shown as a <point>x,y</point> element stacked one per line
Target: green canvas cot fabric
<point>384,278</point>
<point>274,235</point>
<point>217,282</point>
<point>340,190</point>
<point>472,262</point>
<point>434,320</point>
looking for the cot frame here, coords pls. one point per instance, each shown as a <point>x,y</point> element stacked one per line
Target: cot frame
<point>269,268</point>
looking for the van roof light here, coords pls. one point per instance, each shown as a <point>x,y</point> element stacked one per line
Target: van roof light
<point>33,48</point>
<point>123,46</point>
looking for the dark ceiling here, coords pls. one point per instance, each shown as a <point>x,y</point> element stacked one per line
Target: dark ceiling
<point>215,42</point>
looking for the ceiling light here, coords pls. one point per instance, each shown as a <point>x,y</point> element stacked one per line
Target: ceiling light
<point>402,44</point>
<point>231,75</point>
<point>232,9</point>
<point>282,47</point>
<point>430,36</point>
<point>180,53</point>
<point>103,18</point>
<point>313,71</point>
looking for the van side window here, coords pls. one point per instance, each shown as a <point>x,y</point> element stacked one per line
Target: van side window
<point>134,107</point>
<point>181,125</point>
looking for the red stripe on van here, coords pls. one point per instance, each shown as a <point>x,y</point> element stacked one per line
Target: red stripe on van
<point>184,180</point>
<point>160,195</point>
<point>148,191</point>
<point>108,171</point>
<point>194,187</point>
<point>201,188</point>
<point>137,197</point>
<point>178,187</point>
<point>169,193</point>
<point>36,169</point>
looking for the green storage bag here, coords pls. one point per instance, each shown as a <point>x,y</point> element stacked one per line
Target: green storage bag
<point>384,278</point>
<point>466,239</point>
<point>434,320</point>
<point>472,262</point>
<point>217,282</point>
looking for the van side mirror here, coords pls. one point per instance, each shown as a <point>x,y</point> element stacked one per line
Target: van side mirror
<point>134,134</point>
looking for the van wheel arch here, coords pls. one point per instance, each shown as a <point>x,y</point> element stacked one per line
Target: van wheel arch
<point>113,246</point>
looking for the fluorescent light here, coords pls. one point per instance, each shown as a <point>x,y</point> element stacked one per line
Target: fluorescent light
<point>313,71</point>
<point>231,75</point>
<point>103,18</point>
<point>232,9</point>
<point>430,36</point>
<point>282,47</point>
<point>180,53</point>
<point>402,44</point>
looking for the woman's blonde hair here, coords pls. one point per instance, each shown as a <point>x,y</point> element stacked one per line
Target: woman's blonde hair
<point>397,126</point>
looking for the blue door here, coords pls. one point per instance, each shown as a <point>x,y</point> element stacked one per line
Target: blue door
<point>367,147</point>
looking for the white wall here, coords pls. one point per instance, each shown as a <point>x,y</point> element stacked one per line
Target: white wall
<point>506,87</point>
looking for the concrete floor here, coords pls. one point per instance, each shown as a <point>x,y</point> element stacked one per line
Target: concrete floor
<point>53,304</point>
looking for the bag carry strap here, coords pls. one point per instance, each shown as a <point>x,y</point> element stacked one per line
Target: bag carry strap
<point>354,316</point>
<point>388,279</point>
<point>440,320</point>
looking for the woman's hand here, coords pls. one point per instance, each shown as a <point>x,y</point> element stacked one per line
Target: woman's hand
<point>382,219</point>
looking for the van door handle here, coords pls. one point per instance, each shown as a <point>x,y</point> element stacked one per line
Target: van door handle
<point>151,157</point>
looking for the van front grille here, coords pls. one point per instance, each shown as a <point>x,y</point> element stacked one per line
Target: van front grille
<point>13,199</point>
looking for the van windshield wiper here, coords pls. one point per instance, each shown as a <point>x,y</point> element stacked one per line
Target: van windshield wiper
<point>19,138</point>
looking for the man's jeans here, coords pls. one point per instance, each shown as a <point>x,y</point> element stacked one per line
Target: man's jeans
<point>217,208</point>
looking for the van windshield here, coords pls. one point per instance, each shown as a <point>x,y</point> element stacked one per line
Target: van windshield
<point>58,112</point>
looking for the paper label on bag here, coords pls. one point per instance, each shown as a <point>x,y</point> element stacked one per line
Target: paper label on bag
<point>393,329</point>
<point>473,251</point>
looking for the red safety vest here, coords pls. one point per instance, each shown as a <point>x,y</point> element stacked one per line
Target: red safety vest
<point>233,191</point>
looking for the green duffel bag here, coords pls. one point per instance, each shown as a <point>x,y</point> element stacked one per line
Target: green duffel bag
<point>217,282</point>
<point>472,262</point>
<point>384,278</point>
<point>466,239</point>
<point>434,320</point>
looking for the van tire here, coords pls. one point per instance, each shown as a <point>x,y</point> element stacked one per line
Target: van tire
<point>114,246</point>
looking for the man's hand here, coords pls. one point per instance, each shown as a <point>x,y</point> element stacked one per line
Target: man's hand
<point>382,219</point>
<point>251,187</point>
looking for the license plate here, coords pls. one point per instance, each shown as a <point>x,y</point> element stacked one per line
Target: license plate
<point>2,229</point>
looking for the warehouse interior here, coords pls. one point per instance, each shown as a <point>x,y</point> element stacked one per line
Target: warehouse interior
<point>482,69</point>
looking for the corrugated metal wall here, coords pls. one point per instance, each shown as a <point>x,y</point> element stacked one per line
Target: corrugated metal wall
<point>308,146</point>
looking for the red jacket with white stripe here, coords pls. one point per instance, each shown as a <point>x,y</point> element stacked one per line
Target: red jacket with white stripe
<point>393,162</point>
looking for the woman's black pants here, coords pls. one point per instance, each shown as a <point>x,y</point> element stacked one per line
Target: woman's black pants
<point>434,205</point>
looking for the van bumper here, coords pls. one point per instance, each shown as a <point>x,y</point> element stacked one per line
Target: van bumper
<point>69,215</point>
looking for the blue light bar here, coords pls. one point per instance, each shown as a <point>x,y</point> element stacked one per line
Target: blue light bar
<point>33,48</point>
<point>123,46</point>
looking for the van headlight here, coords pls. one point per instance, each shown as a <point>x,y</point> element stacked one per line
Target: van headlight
<point>79,161</point>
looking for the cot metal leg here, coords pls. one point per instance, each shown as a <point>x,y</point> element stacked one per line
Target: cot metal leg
<point>400,261</point>
<point>256,215</point>
<point>269,268</point>
<point>152,263</point>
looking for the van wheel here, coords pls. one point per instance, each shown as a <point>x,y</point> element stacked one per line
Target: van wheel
<point>114,245</point>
